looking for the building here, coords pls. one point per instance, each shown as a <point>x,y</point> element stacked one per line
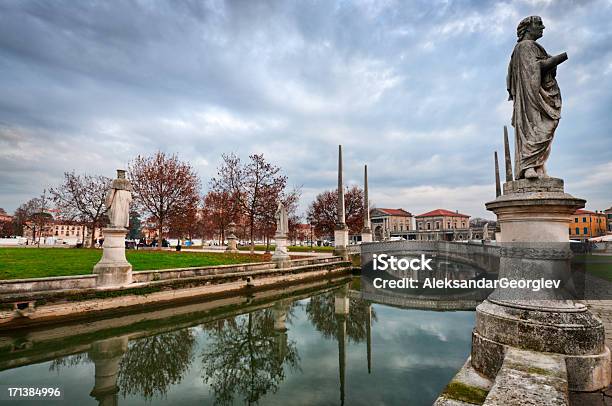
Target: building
<point>608,213</point>
<point>587,224</point>
<point>387,223</point>
<point>442,225</point>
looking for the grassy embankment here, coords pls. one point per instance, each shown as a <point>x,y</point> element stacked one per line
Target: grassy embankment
<point>597,265</point>
<point>16,263</point>
<point>292,248</point>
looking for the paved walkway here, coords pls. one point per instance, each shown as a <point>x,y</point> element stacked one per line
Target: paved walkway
<point>603,310</point>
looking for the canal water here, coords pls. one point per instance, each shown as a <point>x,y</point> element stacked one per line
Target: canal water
<point>323,347</point>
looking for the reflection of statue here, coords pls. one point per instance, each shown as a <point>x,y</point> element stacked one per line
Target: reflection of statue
<point>118,201</point>
<point>533,88</point>
<point>282,221</point>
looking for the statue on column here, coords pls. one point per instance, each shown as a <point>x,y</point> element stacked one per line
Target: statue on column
<point>118,201</point>
<point>534,91</point>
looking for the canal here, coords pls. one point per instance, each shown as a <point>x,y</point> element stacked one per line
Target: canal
<point>313,345</point>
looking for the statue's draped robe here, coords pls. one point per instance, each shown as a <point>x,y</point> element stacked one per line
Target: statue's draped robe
<point>537,105</point>
<point>118,203</point>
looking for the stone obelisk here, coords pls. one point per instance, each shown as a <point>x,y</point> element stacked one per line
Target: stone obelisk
<point>114,269</point>
<point>341,234</point>
<point>497,181</point>
<point>366,232</point>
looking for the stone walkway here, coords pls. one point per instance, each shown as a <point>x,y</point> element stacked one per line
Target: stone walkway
<point>603,310</point>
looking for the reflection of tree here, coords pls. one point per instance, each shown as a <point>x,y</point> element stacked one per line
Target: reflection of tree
<point>245,357</point>
<point>320,311</point>
<point>68,361</point>
<point>152,364</point>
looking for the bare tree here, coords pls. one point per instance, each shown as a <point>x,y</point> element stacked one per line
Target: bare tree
<point>250,184</point>
<point>81,198</point>
<point>34,215</point>
<point>164,187</point>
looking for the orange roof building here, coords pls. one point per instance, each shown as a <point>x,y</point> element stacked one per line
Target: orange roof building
<point>585,224</point>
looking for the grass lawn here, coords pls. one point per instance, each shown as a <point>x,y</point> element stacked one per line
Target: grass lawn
<point>291,248</point>
<point>16,263</point>
<point>598,265</point>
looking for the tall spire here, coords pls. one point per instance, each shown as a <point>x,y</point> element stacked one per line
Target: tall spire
<point>497,181</point>
<point>509,177</point>
<point>341,217</point>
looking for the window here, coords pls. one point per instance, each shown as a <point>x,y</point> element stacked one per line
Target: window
<point>448,225</point>
<point>575,219</point>
<point>437,225</point>
<point>463,224</point>
<point>570,230</point>
<point>584,219</point>
<point>577,231</point>
<point>586,231</point>
<point>429,226</point>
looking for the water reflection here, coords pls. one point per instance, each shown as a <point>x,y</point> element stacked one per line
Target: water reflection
<point>152,364</point>
<point>309,347</point>
<point>246,355</point>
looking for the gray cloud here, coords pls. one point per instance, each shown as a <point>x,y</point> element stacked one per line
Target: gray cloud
<point>415,90</point>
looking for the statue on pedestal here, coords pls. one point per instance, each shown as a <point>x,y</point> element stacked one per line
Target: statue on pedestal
<point>281,255</point>
<point>113,269</point>
<point>534,91</point>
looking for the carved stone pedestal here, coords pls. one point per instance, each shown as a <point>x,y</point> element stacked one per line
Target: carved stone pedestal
<point>113,269</point>
<point>366,235</point>
<point>341,241</point>
<point>232,246</point>
<point>281,255</point>
<point>534,217</point>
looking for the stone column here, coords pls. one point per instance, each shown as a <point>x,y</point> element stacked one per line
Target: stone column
<point>231,239</point>
<point>106,355</point>
<point>341,234</point>
<point>366,232</point>
<point>534,217</point>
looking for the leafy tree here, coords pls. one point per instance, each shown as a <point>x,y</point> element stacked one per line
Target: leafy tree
<point>165,188</point>
<point>135,224</point>
<point>323,211</point>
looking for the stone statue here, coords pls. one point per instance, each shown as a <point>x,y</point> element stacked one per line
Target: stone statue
<point>118,201</point>
<point>485,232</point>
<point>533,88</point>
<point>282,221</point>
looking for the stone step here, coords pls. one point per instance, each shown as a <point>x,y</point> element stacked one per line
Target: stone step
<point>530,378</point>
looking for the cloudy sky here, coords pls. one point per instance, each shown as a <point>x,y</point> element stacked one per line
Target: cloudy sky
<point>415,89</point>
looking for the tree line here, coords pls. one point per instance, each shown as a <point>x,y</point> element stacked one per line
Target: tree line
<point>167,198</point>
